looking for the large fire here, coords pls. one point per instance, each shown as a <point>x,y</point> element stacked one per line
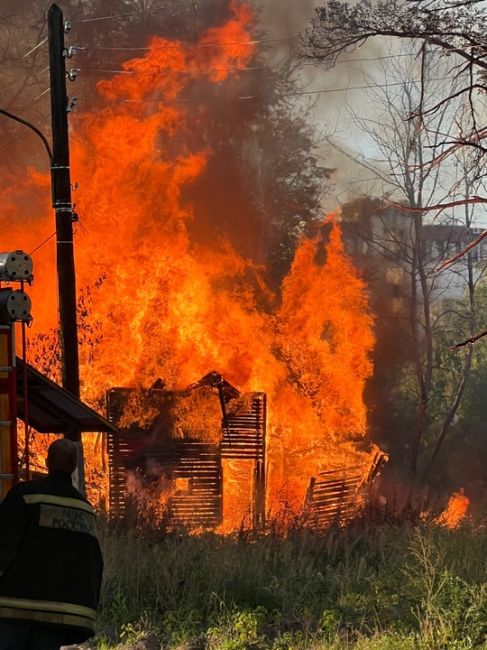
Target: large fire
<point>165,305</point>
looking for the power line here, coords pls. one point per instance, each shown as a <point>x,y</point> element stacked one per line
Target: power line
<point>177,46</point>
<point>33,101</point>
<point>112,16</point>
<point>30,102</point>
<point>293,94</point>
<point>42,243</point>
<point>245,69</point>
<point>249,42</point>
<point>22,134</point>
<point>30,126</point>
<point>33,49</point>
<point>29,52</point>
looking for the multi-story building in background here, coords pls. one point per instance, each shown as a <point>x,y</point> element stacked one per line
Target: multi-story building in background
<point>381,241</point>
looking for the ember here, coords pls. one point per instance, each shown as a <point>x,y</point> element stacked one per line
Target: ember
<point>170,306</point>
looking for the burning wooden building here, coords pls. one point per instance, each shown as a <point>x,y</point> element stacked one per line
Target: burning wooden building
<point>173,448</point>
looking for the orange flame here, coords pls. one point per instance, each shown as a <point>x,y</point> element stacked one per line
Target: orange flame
<point>175,308</point>
<point>456,510</point>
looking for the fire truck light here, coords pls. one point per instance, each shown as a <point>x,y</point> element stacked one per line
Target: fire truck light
<point>14,306</point>
<point>16,266</point>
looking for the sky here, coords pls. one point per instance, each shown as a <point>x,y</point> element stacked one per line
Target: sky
<point>345,98</point>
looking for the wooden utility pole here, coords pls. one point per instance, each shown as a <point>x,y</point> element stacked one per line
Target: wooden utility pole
<point>61,201</point>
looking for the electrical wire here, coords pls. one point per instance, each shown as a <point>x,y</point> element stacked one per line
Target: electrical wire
<point>293,94</point>
<point>22,134</point>
<point>31,101</point>
<point>249,42</point>
<point>112,16</point>
<point>36,99</point>
<point>34,250</point>
<point>177,46</point>
<point>249,68</point>
<point>30,126</point>
<point>33,49</point>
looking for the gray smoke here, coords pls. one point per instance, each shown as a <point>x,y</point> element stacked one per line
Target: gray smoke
<point>285,19</point>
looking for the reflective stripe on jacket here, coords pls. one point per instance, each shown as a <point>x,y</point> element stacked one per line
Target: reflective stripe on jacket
<point>47,612</point>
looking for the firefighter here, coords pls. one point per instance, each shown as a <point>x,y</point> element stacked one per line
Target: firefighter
<point>50,559</point>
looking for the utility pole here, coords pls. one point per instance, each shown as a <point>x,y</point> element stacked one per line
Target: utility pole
<point>61,202</point>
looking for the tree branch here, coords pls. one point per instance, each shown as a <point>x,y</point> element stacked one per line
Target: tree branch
<point>470,340</point>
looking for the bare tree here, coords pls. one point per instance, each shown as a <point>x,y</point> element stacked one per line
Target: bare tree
<point>445,28</point>
<point>473,275</point>
<point>397,145</point>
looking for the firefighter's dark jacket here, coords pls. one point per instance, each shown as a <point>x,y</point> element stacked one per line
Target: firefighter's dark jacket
<point>50,559</point>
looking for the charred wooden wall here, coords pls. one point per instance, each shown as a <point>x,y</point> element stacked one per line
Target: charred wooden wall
<point>200,504</point>
<point>244,438</point>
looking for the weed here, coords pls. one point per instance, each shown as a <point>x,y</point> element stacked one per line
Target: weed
<point>365,588</point>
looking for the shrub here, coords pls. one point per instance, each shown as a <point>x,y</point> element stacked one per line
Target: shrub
<point>362,587</point>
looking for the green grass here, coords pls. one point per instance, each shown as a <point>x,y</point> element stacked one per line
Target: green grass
<point>365,588</point>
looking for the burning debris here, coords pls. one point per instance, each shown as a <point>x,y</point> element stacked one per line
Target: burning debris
<point>456,510</point>
<point>336,496</point>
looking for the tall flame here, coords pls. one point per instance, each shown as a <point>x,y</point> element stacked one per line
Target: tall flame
<point>176,308</point>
